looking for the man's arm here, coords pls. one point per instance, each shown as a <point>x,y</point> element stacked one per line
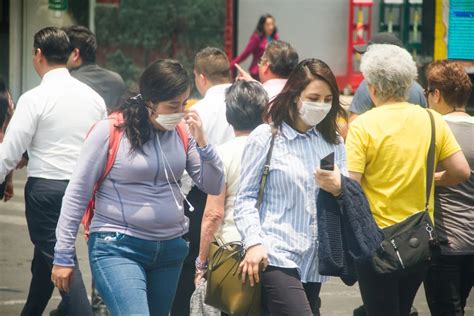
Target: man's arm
<point>361,102</point>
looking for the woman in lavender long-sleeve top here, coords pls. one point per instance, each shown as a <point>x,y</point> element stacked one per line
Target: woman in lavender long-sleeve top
<point>135,247</point>
<point>265,33</point>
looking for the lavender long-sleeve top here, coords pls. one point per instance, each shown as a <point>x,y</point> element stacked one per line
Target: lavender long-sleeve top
<point>136,198</point>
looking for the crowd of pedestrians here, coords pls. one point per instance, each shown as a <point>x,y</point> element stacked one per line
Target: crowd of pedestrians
<point>261,160</point>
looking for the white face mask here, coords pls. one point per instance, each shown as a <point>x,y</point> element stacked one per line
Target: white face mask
<point>169,121</point>
<point>312,113</point>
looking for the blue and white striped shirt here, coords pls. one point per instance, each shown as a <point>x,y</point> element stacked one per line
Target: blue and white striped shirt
<point>286,224</point>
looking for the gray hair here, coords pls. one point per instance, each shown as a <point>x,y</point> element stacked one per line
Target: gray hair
<point>245,103</point>
<point>390,69</point>
<point>282,58</point>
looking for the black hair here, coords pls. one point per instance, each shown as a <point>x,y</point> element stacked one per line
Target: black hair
<point>245,103</point>
<point>161,81</point>
<point>282,58</point>
<point>284,107</point>
<point>214,64</point>
<point>261,22</point>
<point>54,44</point>
<point>4,102</point>
<point>84,40</point>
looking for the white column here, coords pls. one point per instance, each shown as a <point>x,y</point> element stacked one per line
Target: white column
<point>16,48</point>
<point>92,16</point>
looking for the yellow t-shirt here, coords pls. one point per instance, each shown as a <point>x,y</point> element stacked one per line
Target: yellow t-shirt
<point>389,146</point>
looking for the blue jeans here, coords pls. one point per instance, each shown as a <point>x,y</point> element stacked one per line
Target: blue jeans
<point>136,276</point>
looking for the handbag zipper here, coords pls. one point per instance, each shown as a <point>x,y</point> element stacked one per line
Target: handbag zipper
<point>394,245</point>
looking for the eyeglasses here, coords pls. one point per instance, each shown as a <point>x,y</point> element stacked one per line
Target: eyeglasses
<point>427,92</point>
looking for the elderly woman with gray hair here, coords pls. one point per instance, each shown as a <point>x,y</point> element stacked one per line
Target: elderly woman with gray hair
<point>245,103</point>
<point>387,154</point>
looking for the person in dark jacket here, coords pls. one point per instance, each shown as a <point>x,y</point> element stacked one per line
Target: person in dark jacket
<point>347,231</point>
<point>82,65</point>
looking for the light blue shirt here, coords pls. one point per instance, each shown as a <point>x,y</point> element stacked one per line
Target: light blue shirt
<point>286,224</point>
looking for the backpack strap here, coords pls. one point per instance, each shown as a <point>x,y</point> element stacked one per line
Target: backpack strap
<point>115,119</point>
<point>115,135</point>
<point>183,135</point>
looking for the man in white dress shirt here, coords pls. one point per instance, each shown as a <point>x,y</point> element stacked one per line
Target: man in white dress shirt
<point>51,122</point>
<point>212,78</point>
<point>275,66</point>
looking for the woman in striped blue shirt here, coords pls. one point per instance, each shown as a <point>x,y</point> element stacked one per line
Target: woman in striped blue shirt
<point>281,236</point>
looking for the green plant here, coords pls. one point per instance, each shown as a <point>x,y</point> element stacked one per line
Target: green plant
<point>168,28</point>
<point>118,62</point>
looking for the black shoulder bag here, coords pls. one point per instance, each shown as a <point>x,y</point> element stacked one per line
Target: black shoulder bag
<point>409,243</point>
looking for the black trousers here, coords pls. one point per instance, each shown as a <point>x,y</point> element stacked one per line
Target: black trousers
<point>389,294</point>
<point>186,287</point>
<point>448,284</point>
<point>43,200</point>
<point>285,294</point>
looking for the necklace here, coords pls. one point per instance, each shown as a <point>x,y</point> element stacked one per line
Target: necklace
<point>455,110</point>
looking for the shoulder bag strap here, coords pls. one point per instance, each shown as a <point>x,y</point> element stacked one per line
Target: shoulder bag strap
<point>430,162</point>
<point>266,169</point>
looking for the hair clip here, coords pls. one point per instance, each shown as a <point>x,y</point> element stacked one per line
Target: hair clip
<point>138,97</point>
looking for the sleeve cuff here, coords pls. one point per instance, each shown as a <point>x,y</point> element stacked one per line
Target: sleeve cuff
<point>252,241</point>
<point>207,152</point>
<point>64,259</point>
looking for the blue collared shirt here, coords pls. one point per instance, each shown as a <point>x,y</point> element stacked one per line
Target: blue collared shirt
<point>286,224</point>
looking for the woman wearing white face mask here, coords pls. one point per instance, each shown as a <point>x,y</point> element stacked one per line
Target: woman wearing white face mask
<point>135,247</point>
<point>282,234</point>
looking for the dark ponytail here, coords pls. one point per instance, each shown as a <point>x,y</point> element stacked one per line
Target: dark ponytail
<point>161,81</point>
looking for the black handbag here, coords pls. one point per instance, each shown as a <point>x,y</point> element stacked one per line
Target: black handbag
<point>409,243</point>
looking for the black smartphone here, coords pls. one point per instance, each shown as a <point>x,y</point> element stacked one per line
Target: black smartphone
<point>327,163</point>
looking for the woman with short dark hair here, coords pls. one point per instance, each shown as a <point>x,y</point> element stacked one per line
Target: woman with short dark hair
<point>451,275</point>
<point>136,249</point>
<point>283,232</point>
<point>264,33</point>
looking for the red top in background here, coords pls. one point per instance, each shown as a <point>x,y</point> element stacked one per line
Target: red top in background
<point>256,47</point>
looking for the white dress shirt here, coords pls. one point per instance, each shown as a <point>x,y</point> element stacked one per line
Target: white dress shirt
<point>211,109</point>
<point>274,87</point>
<point>51,122</point>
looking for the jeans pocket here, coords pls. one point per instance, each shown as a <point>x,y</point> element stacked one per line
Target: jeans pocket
<point>178,248</point>
<point>109,237</point>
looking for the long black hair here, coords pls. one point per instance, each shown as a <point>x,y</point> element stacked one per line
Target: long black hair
<point>161,81</point>
<point>261,22</point>
<point>284,107</point>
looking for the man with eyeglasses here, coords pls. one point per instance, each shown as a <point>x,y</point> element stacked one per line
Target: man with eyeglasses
<point>274,67</point>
